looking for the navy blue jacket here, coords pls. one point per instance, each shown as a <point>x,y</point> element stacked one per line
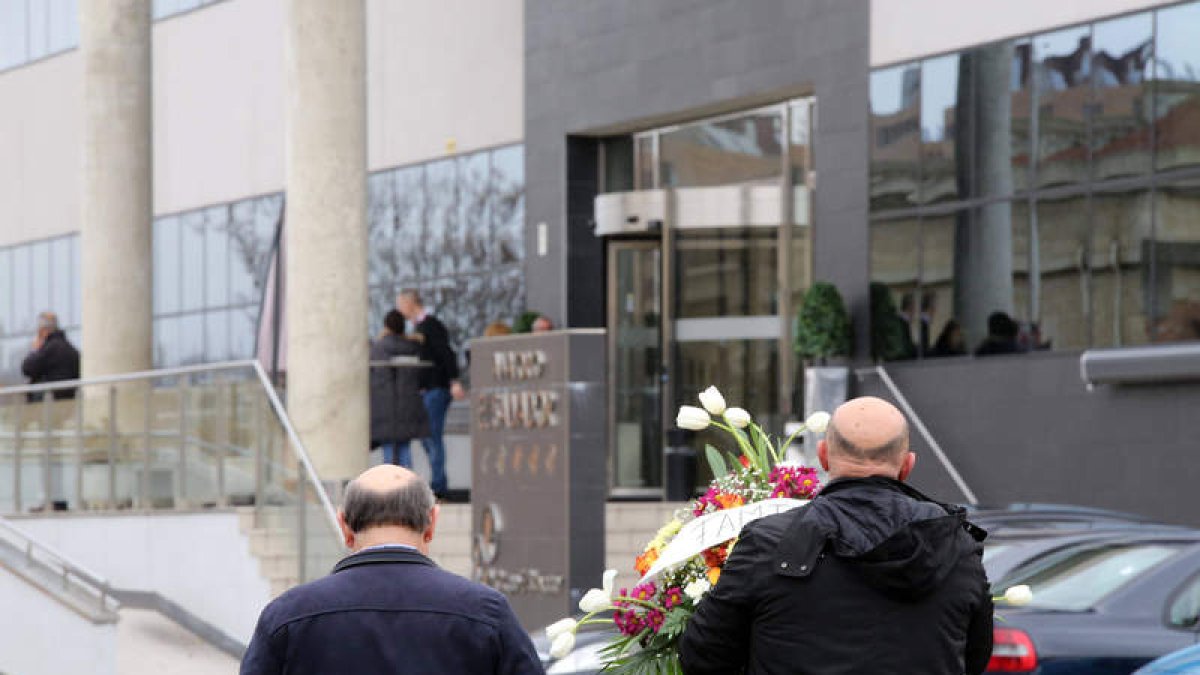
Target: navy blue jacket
<point>390,611</point>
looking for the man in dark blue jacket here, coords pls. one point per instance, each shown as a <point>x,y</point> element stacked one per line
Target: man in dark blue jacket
<point>387,608</point>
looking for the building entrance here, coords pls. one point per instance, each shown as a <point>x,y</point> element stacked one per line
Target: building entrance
<point>706,258</point>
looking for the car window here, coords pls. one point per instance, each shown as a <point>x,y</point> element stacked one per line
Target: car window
<point>1185,610</point>
<point>1078,578</point>
<point>992,550</point>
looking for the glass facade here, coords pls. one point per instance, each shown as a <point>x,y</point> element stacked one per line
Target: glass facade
<point>36,277</point>
<point>1048,178</point>
<point>454,229</point>
<point>34,29</point>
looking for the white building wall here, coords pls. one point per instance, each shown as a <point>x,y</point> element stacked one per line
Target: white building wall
<point>443,77</point>
<point>41,636</point>
<point>902,30</point>
<point>200,561</point>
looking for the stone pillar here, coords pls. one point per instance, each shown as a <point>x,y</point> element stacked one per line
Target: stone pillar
<point>983,261</point>
<point>327,232</point>
<point>117,203</point>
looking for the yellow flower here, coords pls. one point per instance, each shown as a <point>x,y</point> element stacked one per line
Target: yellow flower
<point>714,573</point>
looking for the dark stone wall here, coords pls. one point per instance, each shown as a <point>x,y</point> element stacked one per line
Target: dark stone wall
<point>1026,429</point>
<point>602,66</point>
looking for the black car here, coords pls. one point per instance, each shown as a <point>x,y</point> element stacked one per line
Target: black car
<point>1102,606</point>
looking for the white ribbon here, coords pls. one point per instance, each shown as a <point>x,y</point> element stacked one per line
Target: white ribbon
<point>712,529</point>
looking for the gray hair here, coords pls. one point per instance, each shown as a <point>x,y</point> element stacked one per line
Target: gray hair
<point>887,453</point>
<point>407,506</point>
<point>48,321</point>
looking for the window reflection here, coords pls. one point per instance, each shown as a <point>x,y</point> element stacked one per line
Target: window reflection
<point>939,93</point>
<point>1062,78</point>
<point>727,272</point>
<point>1176,297</point>
<point>1120,130</point>
<point>1177,107</point>
<point>895,136</point>
<point>1119,269</point>
<point>895,290</point>
<point>1064,294</point>
<point>742,149</point>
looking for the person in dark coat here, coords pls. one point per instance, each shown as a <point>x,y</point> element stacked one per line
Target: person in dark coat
<point>869,577</point>
<point>439,379</point>
<point>53,359</point>
<point>397,409</point>
<point>388,608</point>
<point>1001,337</point>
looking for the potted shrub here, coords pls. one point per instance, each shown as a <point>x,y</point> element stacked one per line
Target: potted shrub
<point>822,335</point>
<point>890,339</point>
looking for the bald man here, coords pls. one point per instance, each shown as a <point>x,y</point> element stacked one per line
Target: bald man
<point>870,577</point>
<point>387,608</point>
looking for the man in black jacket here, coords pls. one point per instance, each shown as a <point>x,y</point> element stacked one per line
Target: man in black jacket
<point>387,608</point>
<point>870,577</point>
<point>438,379</point>
<point>53,358</point>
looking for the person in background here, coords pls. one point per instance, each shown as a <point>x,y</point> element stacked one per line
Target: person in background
<point>436,380</point>
<point>1002,336</point>
<point>53,359</point>
<point>543,324</point>
<point>397,410</point>
<point>496,329</point>
<point>951,341</point>
<point>388,608</point>
<point>928,311</point>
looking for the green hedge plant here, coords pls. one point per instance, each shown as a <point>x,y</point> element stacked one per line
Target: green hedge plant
<point>822,324</point>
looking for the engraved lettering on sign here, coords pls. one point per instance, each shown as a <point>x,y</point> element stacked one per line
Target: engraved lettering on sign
<point>519,366</point>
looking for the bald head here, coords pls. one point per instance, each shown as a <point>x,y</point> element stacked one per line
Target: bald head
<point>867,432</point>
<point>388,496</point>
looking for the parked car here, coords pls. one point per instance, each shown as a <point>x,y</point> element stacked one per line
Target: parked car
<point>1101,606</point>
<point>1186,661</point>
<point>1035,519</point>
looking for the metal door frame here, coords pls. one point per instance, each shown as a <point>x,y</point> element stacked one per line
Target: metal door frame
<point>615,246</point>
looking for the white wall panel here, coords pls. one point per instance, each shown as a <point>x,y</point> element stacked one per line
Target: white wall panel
<point>908,29</point>
<point>41,636</point>
<point>202,561</point>
<point>40,127</point>
<point>442,71</point>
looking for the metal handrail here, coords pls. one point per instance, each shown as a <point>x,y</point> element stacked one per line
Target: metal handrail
<point>276,404</point>
<point>923,430</point>
<point>67,568</point>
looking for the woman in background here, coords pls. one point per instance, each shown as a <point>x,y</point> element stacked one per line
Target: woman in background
<point>397,410</point>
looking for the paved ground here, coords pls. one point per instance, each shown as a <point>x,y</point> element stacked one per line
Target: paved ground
<point>151,644</point>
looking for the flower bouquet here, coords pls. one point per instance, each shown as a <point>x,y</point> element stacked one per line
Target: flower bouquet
<point>684,559</point>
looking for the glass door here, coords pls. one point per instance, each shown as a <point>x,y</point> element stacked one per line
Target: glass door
<point>636,367</point>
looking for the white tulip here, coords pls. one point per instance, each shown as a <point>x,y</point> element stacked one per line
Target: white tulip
<point>599,599</point>
<point>738,417</point>
<point>697,589</point>
<point>712,400</point>
<point>562,645</point>
<point>1018,595</point>
<point>817,422</point>
<point>561,627</point>
<point>692,418</point>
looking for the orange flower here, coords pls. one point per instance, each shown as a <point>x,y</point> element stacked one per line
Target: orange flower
<point>645,561</point>
<point>714,573</point>
<point>716,555</point>
<point>745,461</point>
<point>730,501</point>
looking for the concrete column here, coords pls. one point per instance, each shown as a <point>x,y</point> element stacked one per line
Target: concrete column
<point>327,232</point>
<point>117,205</point>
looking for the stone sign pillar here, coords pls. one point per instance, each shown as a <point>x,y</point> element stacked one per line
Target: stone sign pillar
<point>539,476</point>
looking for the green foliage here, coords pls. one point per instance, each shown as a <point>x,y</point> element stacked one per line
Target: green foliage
<point>890,337</point>
<point>524,323</point>
<point>822,324</point>
<point>649,653</point>
<point>715,461</point>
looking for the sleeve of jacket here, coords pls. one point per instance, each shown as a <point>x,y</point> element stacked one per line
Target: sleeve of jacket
<point>34,364</point>
<point>516,654</point>
<point>717,637</point>
<point>262,657</point>
<point>979,634</point>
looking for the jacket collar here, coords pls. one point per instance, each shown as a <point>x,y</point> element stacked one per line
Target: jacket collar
<point>383,556</point>
<point>806,536</point>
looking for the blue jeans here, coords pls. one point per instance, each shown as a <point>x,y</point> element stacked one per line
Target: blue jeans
<point>437,402</point>
<point>397,453</point>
